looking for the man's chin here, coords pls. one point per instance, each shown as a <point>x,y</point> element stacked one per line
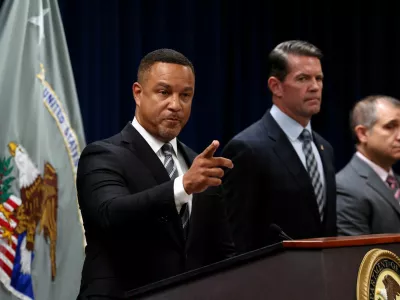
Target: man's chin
<point>169,133</point>
<point>396,154</point>
<point>313,110</point>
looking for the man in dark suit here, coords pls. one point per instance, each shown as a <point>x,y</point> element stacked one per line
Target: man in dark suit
<point>151,207</point>
<point>368,193</point>
<point>284,171</point>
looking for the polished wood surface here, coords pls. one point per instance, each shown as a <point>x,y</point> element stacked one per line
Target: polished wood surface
<point>345,241</point>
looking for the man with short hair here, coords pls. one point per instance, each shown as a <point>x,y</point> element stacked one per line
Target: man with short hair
<point>284,171</point>
<point>151,207</point>
<point>368,191</point>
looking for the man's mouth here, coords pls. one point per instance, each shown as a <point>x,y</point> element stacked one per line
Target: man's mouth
<point>313,99</point>
<point>175,120</point>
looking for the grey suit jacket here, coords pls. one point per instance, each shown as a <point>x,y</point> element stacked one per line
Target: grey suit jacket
<point>365,204</point>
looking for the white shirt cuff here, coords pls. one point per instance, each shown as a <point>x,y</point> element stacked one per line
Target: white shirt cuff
<point>181,197</point>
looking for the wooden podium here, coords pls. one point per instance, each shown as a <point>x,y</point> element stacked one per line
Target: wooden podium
<point>325,268</point>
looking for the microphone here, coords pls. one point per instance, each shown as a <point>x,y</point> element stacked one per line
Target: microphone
<point>277,230</point>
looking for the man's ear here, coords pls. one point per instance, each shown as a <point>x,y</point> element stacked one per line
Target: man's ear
<point>275,86</point>
<point>137,92</point>
<point>362,133</point>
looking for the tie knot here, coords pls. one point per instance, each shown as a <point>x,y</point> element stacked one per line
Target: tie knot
<point>305,135</point>
<point>167,149</point>
<point>391,181</point>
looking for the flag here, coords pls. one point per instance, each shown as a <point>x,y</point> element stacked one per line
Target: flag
<point>41,136</point>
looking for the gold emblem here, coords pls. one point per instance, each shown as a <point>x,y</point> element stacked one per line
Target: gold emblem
<point>379,276</point>
<point>38,203</point>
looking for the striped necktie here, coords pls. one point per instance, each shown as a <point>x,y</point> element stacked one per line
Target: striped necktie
<point>170,166</point>
<point>312,169</point>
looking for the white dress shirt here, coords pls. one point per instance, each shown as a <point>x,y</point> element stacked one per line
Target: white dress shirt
<point>293,129</point>
<point>180,194</point>
<point>382,173</point>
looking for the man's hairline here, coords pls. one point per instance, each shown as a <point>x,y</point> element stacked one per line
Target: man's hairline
<point>157,62</point>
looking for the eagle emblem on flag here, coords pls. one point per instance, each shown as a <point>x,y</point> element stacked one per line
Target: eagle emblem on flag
<point>21,217</point>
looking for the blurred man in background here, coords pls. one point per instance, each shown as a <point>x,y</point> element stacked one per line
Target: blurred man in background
<point>368,191</point>
<point>284,171</point>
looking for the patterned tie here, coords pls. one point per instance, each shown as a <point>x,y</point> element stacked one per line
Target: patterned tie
<point>394,185</point>
<point>173,173</point>
<point>312,168</point>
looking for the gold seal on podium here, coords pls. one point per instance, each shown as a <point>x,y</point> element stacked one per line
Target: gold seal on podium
<point>379,276</point>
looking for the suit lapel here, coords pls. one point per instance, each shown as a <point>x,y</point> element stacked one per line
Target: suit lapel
<point>328,173</point>
<point>138,145</point>
<point>326,161</point>
<point>322,153</point>
<point>375,182</point>
<point>285,151</point>
<point>288,156</point>
<point>189,156</point>
<point>379,186</point>
<point>132,139</point>
<point>187,153</point>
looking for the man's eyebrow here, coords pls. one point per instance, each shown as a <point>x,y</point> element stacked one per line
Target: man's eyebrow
<point>391,121</point>
<point>309,75</point>
<point>163,85</point>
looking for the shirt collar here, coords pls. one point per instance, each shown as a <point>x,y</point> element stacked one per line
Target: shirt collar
<point>153,142</point>
<point>379,170</point>
<point>291,127</point>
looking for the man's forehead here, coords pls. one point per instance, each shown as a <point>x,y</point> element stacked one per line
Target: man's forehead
<point>387,111</point>
<point>166,67</point>
<point>166,71</point>
<point>187,85</point>
<point>302,63</point>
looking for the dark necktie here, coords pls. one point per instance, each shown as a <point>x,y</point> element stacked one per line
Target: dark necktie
<point>312,169</point>
<point>170,166</point>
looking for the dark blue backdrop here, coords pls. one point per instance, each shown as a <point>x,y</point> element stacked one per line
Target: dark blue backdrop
<point>228,42</point>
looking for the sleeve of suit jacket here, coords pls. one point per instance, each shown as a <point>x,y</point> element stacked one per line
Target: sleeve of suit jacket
<point>353,211</point>
<point>240,193</point>
<point>104,197</point>
<point>214,210</point>
<point>224,244</point>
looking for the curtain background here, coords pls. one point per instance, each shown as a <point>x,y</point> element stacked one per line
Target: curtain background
<point>228,43</point>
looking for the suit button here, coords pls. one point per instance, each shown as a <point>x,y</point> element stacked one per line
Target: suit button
<point>163,219</point>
